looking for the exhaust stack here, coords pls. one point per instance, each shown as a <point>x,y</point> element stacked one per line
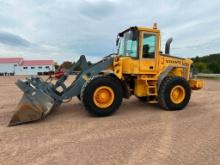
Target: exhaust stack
<point>167,47</point>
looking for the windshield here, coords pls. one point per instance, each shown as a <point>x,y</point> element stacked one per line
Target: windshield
<point>128,45</point>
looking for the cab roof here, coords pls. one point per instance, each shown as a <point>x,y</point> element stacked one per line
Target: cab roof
<point>140,29</point>
<point>148,29</point>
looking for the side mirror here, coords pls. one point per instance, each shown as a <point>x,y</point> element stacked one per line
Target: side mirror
<point>135,35</point>
<point>117,41</point>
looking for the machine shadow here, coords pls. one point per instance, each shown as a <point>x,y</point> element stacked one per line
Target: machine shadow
<point>75,110</point>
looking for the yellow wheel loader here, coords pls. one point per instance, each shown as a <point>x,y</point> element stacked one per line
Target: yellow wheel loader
<point>138,68</point>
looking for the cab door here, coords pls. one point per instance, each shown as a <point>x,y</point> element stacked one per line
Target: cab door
<point>148,50</point>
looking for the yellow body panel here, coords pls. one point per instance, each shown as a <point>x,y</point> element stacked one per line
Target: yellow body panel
<point>130,65</point>
<point>140,88</point>
<point>117,67</point>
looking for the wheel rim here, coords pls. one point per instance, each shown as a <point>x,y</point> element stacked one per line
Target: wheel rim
<point>103,96</point>
<point>177,94</point>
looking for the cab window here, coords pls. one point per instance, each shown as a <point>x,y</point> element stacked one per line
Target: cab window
<point>131,48</point>
<point>149,45</point>
<point>128,45</point>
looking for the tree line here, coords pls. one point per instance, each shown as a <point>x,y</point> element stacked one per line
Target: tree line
<point>207,64</point>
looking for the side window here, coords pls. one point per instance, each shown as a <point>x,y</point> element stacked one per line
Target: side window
<point>132,48</point>
<point>128,45</point>
<point>149,45</point>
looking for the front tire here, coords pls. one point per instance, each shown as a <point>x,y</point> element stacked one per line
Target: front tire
<point>102,96</point>
<point>174,93</point>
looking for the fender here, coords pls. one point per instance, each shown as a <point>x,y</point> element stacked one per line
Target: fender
<point>126,92</point>
<point>164,74</point>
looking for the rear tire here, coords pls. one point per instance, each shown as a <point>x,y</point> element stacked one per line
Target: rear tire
<point>174,93</point>
<point>102,96</point>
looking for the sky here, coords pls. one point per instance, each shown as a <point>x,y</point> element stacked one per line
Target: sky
<point>65,29</point>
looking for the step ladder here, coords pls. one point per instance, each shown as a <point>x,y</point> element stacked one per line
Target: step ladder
<point>152,94</point>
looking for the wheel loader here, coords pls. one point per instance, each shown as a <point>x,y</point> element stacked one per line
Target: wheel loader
<point>138,68</point>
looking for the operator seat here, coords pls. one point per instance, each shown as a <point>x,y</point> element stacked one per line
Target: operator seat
<point>146,51</point>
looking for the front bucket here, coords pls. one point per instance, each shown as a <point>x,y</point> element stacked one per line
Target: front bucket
<point>32,107</point>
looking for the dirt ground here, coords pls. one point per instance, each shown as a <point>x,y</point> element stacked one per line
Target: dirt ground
<point>139,133</point>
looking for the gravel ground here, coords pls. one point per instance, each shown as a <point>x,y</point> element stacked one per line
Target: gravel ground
<point>139,133</point>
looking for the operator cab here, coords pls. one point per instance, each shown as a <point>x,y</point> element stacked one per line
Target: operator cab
<point>140,44</point>
<point>128,42</point>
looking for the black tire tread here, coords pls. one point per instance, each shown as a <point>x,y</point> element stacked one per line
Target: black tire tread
<point>95,111</point>
<point>162,99</point>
